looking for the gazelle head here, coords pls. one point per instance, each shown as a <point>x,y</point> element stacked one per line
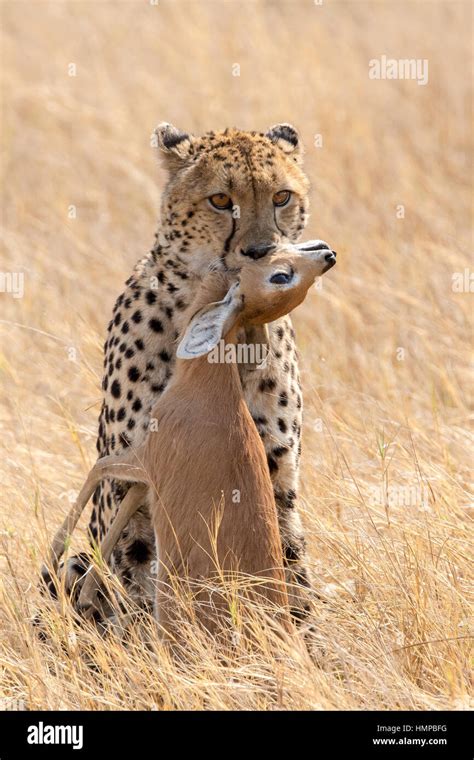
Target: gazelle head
<point>265,290</point>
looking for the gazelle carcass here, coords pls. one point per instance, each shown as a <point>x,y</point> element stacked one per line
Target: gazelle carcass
<point>204,465</point>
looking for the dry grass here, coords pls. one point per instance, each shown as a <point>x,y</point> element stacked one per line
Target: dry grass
<point>387,452</point>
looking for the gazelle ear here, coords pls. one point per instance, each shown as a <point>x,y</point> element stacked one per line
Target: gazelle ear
<point>175,146</point>
<point>287,139</point>
<point>209,325</point>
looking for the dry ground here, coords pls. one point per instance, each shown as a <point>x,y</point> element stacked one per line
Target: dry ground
<point>385,343</point>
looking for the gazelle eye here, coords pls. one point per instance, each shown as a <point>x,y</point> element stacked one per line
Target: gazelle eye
<point>220,201</point>
<point>281,198</point>
<point>281,278</point>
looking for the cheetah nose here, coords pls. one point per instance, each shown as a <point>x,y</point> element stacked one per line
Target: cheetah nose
<point>258,251</point>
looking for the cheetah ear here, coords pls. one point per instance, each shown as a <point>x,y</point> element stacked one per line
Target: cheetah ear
<point>287,139</point>
<point>174,145</point>
<point>209,325</point>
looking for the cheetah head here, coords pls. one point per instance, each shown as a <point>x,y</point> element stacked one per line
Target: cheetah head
<point>230,194</point>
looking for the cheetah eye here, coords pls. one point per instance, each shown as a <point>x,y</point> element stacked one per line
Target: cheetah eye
<point>281,198</point>
<point>281,278</point>
<point>220,201</point>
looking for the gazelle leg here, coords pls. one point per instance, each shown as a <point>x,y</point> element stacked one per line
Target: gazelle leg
<point>123,467</point>
<point>129,505</point>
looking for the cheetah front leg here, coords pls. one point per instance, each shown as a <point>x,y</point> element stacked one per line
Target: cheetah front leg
<point>285,484</point>
<point>294,557</point>
<point>273,394</point>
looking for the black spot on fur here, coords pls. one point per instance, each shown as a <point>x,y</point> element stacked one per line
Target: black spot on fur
<point>267,385</point>
<point>291,553</point>
<point>125,440</point>
<point>138,551</point>
<point>155,325</point>
<point>115,389</point>
<point>133,374</point>
<point>272,464</point>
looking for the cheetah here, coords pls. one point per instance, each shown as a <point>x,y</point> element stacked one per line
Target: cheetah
<point>229,195</point>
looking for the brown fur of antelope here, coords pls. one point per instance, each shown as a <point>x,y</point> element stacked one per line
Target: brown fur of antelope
<point>206,449</point>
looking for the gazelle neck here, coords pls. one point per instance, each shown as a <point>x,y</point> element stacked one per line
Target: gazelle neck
<point>213,374</point>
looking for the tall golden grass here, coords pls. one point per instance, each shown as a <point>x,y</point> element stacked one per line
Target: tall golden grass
<point>385,343</point>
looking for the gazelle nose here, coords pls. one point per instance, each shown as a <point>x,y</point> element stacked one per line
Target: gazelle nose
<point>258,251</point>
<point>330,259</point>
